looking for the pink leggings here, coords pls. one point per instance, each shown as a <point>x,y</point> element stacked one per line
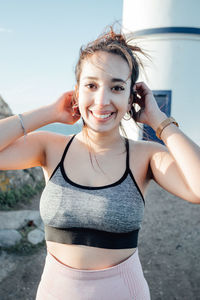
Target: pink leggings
<point>124,281</point>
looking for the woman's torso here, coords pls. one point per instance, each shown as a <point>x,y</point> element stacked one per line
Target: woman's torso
<point>113,164</point>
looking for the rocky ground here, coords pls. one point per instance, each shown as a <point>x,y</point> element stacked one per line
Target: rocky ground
<point>169,246</point>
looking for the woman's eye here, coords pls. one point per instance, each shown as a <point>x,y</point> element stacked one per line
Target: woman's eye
<point>91,86</point>
<point>118,88</point>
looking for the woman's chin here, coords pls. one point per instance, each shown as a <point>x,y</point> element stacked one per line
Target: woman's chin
<point>101,129</point>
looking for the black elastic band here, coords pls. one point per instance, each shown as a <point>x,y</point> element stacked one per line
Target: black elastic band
<point>129,170</point>
<point>66,149</point>
<point>127,154</point>
<point>92,237</point>
<point>63,156</point>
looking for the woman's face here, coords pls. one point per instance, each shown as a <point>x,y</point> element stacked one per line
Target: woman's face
<point>104,91</point>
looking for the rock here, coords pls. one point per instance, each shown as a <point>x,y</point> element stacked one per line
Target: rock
<point>35,236</point>
<point>39,223</point>
<point>37,174</point>
<point>5,110</point>
<point>15,184</point>
<point>16,179</point>
<point>7,265</point>
<point>9,237</point>
<point>19,219</point>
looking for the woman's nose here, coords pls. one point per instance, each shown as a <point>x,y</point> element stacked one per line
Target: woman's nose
<point>102,97</point>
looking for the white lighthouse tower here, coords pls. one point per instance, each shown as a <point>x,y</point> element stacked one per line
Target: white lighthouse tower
<point>169,30</point>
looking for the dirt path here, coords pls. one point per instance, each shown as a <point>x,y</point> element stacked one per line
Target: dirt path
<point>169,246</point>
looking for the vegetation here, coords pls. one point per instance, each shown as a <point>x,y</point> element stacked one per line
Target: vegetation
<point>10,199</point>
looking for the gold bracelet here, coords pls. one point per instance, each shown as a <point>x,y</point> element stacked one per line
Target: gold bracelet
<point>164,124</point>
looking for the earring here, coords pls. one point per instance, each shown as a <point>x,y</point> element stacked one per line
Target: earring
<point>75,107</point>
<point>129,114</point>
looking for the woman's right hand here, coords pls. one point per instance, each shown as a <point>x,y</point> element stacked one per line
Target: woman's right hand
<point>64,110</point>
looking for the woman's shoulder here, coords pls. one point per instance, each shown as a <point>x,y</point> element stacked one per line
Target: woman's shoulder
<point>141,153</point>
<point>146,147</point>
<point>52,141</point>
<point>139,162</point>
<point>55,144</point>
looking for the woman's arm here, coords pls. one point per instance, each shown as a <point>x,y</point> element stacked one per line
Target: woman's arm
<point>175,167</point>
<point>11,129</point>
<point>19,153</point>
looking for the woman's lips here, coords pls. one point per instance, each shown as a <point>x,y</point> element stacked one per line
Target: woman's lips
<point>102,116</point>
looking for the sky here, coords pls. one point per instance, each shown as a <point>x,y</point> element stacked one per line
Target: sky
<point>40,42</point>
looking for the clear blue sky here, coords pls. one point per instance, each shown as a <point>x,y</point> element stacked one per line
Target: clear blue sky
<point>40,42</point>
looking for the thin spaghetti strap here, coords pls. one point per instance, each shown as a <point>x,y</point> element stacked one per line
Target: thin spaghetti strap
<point>129,170</point>
<point>127,153</point>
<point>63,156</point>
<point>66,148</point>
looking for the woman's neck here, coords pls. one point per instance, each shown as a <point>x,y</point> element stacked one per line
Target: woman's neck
<point>101,141</point>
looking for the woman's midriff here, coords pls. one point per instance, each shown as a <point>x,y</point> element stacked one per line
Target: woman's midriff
<point>88,258</point>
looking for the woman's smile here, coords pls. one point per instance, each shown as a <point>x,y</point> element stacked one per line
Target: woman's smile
<point>102,116</point>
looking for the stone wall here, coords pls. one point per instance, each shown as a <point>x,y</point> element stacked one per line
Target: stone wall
<point>17,185</point>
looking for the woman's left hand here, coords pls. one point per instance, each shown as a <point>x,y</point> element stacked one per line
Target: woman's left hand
<point>150,112</point>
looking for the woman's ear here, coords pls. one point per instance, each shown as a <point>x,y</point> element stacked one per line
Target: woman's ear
<point>75,107</point>
<point>76,91</point>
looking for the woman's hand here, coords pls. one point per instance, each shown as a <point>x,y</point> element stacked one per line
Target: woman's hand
<point>150,112</point>
<point>64,109</point>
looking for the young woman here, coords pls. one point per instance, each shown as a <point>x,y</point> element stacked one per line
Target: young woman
<point>93,202</point>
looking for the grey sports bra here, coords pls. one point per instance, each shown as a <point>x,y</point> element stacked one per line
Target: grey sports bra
<point>108,216</point>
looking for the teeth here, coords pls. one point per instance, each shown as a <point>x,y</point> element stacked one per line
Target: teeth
<point>101,116</point>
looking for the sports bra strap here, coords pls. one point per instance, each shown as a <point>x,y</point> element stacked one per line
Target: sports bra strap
<point>127,153</point>
<point>70,141</point>
<point>66,148</point>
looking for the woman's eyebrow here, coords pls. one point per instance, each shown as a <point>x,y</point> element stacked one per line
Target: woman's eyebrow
<point>118,79</point>
<point>112,80</point>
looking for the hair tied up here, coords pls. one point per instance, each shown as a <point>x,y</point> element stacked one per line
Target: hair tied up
<point>115,37</point>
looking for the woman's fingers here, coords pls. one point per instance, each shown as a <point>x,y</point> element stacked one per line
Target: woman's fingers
<point>139,100</point>
<point>68,97</point>
<point>142,89</point>
<point>66,108</point>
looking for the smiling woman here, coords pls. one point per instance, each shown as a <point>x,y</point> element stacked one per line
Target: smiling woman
<point>93,203</point>
<point>103,100</point>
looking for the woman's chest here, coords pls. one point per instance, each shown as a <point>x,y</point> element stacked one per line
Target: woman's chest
<point>116,208</point>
